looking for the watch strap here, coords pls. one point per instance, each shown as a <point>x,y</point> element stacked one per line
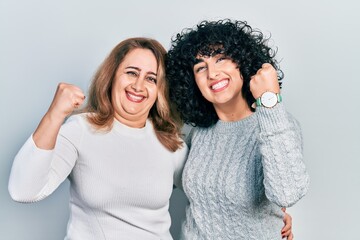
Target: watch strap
<point>258,102</point>
<point>278,96</point>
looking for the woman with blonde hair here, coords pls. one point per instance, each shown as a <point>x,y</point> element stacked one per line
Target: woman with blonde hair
<point>121,152</point>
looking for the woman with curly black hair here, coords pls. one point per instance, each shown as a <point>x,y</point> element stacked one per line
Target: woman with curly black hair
<point>245,161</point>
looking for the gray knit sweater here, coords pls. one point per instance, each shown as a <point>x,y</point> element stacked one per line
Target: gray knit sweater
<point>239,174</point>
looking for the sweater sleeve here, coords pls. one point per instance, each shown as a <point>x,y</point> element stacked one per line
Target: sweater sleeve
<point>36,173</point>
<point>285,177</point>
<point>181,157</point>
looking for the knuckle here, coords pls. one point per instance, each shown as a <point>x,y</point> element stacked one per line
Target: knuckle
<point>62,85</point>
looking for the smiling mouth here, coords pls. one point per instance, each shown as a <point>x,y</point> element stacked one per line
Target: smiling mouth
<point>219,85</point>
<point>134,98</point>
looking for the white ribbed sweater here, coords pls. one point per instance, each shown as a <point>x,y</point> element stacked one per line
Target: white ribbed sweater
<point>120,181</point>
<point>238,174</point>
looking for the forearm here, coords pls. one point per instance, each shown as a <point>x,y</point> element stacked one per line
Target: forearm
<point>47,131</point>
<point>285,178</point>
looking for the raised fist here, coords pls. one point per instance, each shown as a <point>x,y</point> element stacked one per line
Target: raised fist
<point>67,98</point>
<point>264,80</point>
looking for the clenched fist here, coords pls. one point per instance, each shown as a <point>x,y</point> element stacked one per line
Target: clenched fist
<point>67,98</point>
<point>264,80</point>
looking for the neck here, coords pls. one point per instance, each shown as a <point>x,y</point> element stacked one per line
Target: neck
<point>133,123</point>
<point>233,111</point>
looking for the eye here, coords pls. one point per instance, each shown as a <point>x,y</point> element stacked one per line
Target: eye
<point>151,79</point>
<point>222,58</point>
<point>199,68</point>
<point>132,73</point>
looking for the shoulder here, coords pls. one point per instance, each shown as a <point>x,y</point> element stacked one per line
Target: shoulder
<point>78,120</point>
<point>186,134</point>
<point>189,132</point>
<point>181,153</point>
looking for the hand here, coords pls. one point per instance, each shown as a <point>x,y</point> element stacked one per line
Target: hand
<point>67,98</point>
<point>264,80</point>
<point>286,231</point>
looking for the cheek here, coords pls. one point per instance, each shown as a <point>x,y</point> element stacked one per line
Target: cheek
<point>153,92</point>
<point>201,85</point>
<point>118,91</point>
<point>198,81</point>
<point>241,80</point>
<point>115,90</point>
<point>115,85</point>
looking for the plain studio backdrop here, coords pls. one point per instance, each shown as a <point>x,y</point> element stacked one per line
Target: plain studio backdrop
<point>43,43</point>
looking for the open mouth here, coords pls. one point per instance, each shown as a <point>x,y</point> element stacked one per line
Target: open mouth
<point>134,98</point>
<point>220,85</point>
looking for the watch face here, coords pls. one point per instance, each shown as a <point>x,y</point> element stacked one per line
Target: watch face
<point>269,99</point>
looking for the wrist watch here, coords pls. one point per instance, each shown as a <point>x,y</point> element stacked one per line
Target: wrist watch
<point>268,99</point>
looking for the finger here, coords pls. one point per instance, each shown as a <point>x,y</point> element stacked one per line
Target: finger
<point>288,223</point>
<point>283,209</point>
<point>77,96</point>
<point>286,228</point>
<point>78,92</point>
<point>266,65</point>
<point>77,101</point>
<point>263,68</point>
<point>291,236</point>
<point>70,91</point>
<point>76,104</point>
<point>286,234</point>
<point>287,218</point>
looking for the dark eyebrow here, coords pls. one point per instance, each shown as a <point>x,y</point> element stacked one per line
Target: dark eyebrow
<point>139,69</point>
<point>198,60</point>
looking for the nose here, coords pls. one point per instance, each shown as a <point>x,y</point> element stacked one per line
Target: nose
<point>138,85</point>
<point>213,72</point>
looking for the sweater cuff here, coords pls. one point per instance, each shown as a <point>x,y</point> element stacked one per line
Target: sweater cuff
<point>272,119</point>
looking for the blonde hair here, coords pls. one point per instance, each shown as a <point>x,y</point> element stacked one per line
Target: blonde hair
<point>99,98</point>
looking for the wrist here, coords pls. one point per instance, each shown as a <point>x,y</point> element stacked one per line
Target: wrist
<point>54,117</point>
<point>268,99</point>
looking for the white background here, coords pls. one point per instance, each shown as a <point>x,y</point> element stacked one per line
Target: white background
<point>46,42</point>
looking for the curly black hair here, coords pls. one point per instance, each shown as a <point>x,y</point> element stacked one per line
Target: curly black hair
<point>246,46</point>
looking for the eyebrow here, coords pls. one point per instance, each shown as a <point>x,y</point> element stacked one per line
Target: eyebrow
<point>139,69</point>
<point>198,60</point>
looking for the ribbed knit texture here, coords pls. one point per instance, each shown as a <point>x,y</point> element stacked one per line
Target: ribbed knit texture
<point>239,174</point>
<point>120,181</point>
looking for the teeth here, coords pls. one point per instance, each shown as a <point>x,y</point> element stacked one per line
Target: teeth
<point>135,98</point>
<point>219,85</point>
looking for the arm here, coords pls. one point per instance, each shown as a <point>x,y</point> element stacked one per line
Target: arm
<point>181,157</point>
<point>38,168</point>
<point>285,177</point>
<point>182,154</point>
<point>66,99</point>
